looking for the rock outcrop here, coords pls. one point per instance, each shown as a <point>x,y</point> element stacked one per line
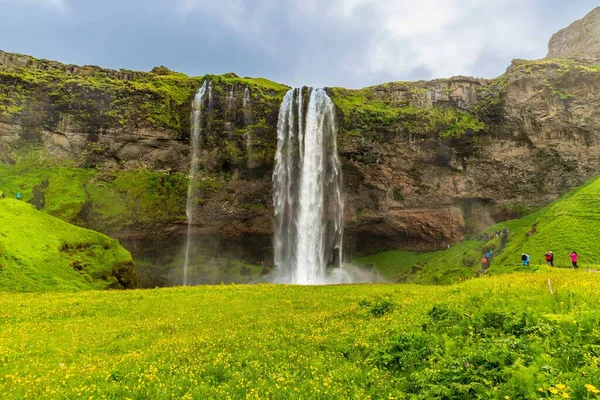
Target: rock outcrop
<point>580,40</point>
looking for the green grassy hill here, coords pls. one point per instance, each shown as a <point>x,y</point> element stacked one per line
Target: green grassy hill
<point>569,224</point>
<point>484,338</point>
<point>40,252</point>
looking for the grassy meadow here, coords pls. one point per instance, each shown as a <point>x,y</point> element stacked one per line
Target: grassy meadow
<point>496,337</point>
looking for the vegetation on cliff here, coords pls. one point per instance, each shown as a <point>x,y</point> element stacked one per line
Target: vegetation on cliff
<point>95,99</point>
<point>495,338</point>
<point>40,253</point>
<point>379,110</point>
<point>108,200</point>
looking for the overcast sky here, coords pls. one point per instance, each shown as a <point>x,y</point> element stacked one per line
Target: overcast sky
<point>351,43</point>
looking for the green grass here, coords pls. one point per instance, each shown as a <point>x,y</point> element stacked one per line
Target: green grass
<point>39,252</point>
<point>569,224</point>
<point>441,267</point>
<point>486,338</point>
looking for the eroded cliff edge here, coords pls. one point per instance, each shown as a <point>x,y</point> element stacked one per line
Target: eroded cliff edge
<point>425,163</point>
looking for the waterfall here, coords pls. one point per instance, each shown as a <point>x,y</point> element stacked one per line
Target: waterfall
<point>230,96</point>
<point>307,193</point>
<point>195,136</point>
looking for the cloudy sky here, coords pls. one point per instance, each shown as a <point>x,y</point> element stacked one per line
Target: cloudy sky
<point>351,43</point>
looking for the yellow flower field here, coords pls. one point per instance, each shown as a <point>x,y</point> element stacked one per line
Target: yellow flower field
<point>486,338</point>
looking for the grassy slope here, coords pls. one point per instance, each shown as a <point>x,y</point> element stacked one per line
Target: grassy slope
<point>566,225</point>
<point>486,338</point>
<point>571,223</point>
<point>40,252</point>
<point>115,200</point>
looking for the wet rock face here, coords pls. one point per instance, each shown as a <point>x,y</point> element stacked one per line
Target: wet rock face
<point>580,40</point>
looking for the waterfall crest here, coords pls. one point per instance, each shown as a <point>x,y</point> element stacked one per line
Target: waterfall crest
<point>307,192</point>
<point>195,136</point>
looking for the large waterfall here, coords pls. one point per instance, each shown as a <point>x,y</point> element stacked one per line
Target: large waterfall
<point>307,189</point>
<point>190,209</point>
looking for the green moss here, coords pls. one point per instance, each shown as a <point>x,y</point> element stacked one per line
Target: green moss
<point>452,123</point>
<point>121,199</point>
<point>40,252</point>
<point>372,113</point>
<point>97,99</point>
<point>109,200</point>
<point>259,87</point>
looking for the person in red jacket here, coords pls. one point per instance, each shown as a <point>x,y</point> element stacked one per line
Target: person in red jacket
<point>550,258</point>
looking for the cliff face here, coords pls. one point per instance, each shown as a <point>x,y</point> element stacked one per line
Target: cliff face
<point>457,155</point>
<point>424,163</point>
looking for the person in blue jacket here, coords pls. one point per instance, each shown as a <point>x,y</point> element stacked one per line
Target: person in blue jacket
<point>19,196</point>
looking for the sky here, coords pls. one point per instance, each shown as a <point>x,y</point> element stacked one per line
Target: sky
<point>349,43</point>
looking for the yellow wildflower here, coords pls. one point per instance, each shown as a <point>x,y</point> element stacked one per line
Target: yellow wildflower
<point>553,390</point>
<point>560,386</point>
<point>565,395</point>
<point>591,388</point>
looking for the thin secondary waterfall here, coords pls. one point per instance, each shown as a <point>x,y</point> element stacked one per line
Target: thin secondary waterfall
<point>247,109</point>
<point>307,189</point>
<point>230,113</point>
<point>195,136</point>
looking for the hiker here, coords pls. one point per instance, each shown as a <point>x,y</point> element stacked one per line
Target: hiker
<point>574,258</point>
<point>550,258</point>
<point>525,258</point>
<point>19,196</point>
<point>484,262</point>
<point>3,195</point>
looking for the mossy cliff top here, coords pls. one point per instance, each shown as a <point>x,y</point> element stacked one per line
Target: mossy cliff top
<point>90,99</point>
<point>40,252</point>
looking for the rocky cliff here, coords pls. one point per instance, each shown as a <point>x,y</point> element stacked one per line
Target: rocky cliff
<point>425,163</point>
<point>580,40</point>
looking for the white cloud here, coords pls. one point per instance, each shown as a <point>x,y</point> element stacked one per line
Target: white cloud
<point>444,37</point>
<point>228,12</point>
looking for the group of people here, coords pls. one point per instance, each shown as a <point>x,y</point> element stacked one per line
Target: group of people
<point>549,257</point>
<point>491,235</point>
<point>19,196</point>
